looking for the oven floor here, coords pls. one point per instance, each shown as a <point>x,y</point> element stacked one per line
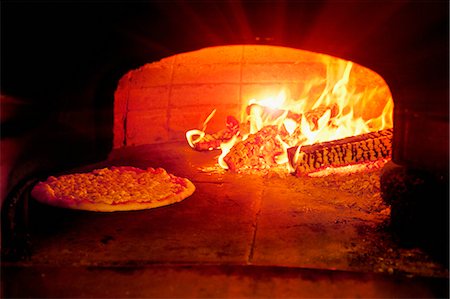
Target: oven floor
<point>212,281</point>
<point>237,235</point>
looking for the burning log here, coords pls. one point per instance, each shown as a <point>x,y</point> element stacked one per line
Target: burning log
<point>258,151</point>
<point>206,142</point>
<point>352,150</point>
<point>314,115</point>
<point>212,141</point>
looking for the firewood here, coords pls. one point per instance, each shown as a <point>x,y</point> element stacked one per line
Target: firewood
<point>347,151</point>
<point>213,141</point>
<point>314,115</point>
<point>258,151</point>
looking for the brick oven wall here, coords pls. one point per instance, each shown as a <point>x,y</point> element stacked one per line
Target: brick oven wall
<point>160,101</point>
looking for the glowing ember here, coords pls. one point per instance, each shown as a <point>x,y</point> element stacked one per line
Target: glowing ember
<point>340,111</point>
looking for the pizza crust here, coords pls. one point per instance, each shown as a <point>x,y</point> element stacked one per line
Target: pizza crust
<point>47,192</point>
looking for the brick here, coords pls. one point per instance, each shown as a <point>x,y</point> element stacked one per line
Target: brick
<point>212,55</point>
<point>182,119</point>
<point>148,98</point>
<point>282,72</point>
<point>365,77</point>
<point>373,103</point>
<point>215,95</point>
<point>265,54</point>
<point>206,73</point>
<point>153,74</point>
<point>146,127</point>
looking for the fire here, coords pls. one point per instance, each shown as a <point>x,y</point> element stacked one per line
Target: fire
<point>339,111</point>
<point>335,108</point>
<point>226,147</point>
<point>195,136</point>
<point>270,102</point>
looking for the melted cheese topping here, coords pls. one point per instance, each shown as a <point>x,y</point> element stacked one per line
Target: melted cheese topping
<point>116,185</point>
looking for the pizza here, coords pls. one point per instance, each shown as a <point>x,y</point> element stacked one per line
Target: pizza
<point>122,188</point>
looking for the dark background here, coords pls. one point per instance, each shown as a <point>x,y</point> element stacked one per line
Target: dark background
<point>63,60</point>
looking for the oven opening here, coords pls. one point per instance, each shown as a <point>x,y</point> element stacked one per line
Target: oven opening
<point>263,107</point>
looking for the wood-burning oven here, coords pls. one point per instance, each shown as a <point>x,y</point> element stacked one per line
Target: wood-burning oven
<point>66,60</point>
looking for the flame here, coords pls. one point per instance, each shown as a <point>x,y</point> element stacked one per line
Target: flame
<point>191,139</point>
<point>290,125</point>
<point>283,159</point>
<point>274,103</point>
<point>226,147</point>
<point>195,136</point>
<point>343,123</point>
<point>337,111</point>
